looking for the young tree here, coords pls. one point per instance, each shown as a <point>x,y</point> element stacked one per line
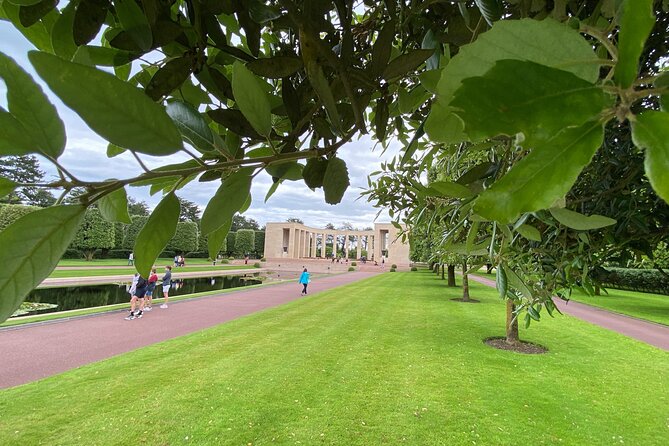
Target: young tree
<point>137,207</point>
<point>230,241</point>
<point>260,243</point>
<point>132,230</point>
<point>244,242</point>
<point>94,233</point>
<point>295,220</point>
<point>241,222</point>
<point>25,169</point>
<point>189,211</point>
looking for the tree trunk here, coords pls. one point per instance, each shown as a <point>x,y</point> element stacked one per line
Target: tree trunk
<point>443,267</point>
<point>598,290</point>
<point>465,282</point>
<point>88,255</point>
<point>451,275</point>
<point>511,324</point>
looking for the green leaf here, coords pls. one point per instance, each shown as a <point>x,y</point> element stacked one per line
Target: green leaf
<point>335,180</point>
<point>194,128</point>
<point>88,19</point>
<point>518,96</point>
<point>62,37</point>
<point>30,106</point>
<point>382,49</point>
<point>579,221</point>
<point>491,10</point>
<point>34,244</point>
<point>449,189</point>
<point>275,67</point>
<point>29,15</point>
<point>134,22</point>
<point>229,198</point>
<point>322,88</point>
<point>156,233</point>
<point>251,99</point>
<point>517,283</point>
<point>115,110</point>
<point>234,120</point>
<point>24,2</point>
<point>662,81</point>
<point>14,138</point>
<point>636,22</point>
<point>114,150</point>
<point>102,56</point>
<point>442,125</point>
<point>114,207</point>
<point>543,176</point>
<point>215,239</point>
<point>501,281</point>
<point>6,187</point>
<point>271,190</point>
<point>650,131</point>
<point>169,77</point>
<point>314,172</point>
<point>529,232</point>
<point>406,63</point>
<point>430,41</point>
<point>291,171</point>
<point>546,42</point>
<point>38,34</point>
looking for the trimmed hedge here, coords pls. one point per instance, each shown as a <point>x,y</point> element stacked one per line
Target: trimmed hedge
<point>350,268</point>
<point>354,263</point>
<point>393,266</point>
<point>413,268</point>
<point>256,265</point>
<point>244,242</point>
<point>260,243</point>
<point>392,270</point>
<point>644,280</point>
<point>197,255</point>
<point>9,213</point>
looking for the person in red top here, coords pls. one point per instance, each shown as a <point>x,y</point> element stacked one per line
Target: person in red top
<point>153,279</point>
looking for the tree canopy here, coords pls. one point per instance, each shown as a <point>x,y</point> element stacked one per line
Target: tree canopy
<point>282,85</point>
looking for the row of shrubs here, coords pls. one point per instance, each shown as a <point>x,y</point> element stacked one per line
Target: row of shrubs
<point>644,280</point>
<point>124,253</point>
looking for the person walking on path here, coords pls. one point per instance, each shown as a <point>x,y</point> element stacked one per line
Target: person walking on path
<point>304,280</point>
<point>153,280</point>
<point>131,259</point>
<point>167,283</point>
<point>140,292</point>
<point>133,285</point>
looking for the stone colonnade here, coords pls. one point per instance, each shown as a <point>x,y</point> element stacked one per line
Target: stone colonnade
<point>305,243</point>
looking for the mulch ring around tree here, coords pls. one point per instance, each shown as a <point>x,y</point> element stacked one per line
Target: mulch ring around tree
<point>527,348</point>
<point>468,301</point>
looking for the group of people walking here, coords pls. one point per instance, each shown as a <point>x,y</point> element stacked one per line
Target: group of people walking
<point>142,291</point>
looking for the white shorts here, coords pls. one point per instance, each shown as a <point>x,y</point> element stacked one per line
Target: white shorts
<point>166,288</point>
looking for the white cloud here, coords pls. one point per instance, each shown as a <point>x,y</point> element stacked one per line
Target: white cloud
<point>85,156</point>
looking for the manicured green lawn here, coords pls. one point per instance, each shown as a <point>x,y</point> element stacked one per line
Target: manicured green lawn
<point>124,262</point>
<point>652,307</point>
<point>60,273</point>
<point>390,360</point>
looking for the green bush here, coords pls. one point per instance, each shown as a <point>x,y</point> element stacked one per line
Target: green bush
<point>9,213</point>
<point>244,242</point>
<point>119,231</point>
<point>72,254</point>
<point>185,238</point>
<point>197,255</point>
<point>257,265</point>
<point>354,263</point>
<point>94,233</point>
<point>230,243</point>
<point>393,266</point>
<point>260,242</point>
<point>131,231</point>
<point>117,254</point>
<point>645,280</point>
<point>350,268</point>
<point>392,270</point>
<point>223,261</point>
<point>262,259</point>
<point>231,258</point>
<point>413,268</point>
<point>167,255</point>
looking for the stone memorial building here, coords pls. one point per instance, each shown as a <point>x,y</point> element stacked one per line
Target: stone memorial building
<point>297,241</point>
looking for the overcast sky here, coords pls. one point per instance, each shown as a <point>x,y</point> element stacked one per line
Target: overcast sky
<point>85,156</point>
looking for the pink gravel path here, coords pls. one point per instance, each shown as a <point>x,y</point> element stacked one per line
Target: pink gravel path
<point>644,331</point>
<point>36,351</point>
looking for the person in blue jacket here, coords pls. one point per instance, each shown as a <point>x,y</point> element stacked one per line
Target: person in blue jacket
<point>304,280</point>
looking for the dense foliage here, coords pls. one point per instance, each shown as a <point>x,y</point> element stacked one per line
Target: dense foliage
<point>94,233</point>
<point>244,242</point>
<point>185,239</point>
<point>251,85</point>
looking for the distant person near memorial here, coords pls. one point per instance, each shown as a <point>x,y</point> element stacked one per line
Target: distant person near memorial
<point>304,280</point>
<point>131,259</point>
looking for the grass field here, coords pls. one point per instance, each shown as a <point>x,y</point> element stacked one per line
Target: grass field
<point>124,262</point>
<point>652,307</point>
<point>390,360</point>
<point>60,273</point>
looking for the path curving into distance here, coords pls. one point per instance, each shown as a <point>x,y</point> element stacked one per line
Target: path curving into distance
<point>36,351</point>
<point>649,332</point>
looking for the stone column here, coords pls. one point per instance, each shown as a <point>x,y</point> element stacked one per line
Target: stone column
<point>323,244</point>
<point>358,252</point>
<point>346,246</point>
<point>314,245</point>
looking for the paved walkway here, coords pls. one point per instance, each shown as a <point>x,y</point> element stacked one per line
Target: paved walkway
<point>33,352</point>
<point>644,331</point>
